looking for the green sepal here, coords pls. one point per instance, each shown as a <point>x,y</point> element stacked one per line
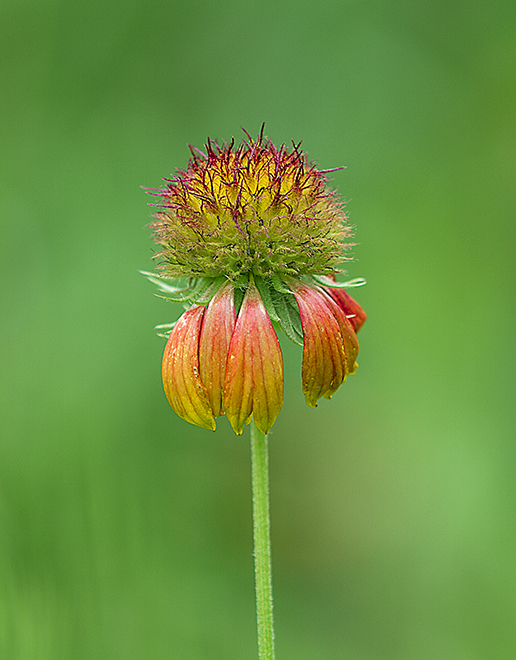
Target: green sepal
<point>288,315</point>
<point>279,285</point>
<point>242,281</point>
<point>167,329</point>
<point>197,290</point>
<point>281,306</point>
<point>327,281</point>
<point>295,316</point>
<point>240,284</point>
<point>265,293</point>
<point>173,299</point>
<point>163,286</point>
<point>238,296</point>
<point>204,296</point>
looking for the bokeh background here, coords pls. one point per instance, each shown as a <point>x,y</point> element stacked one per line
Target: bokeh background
<point>125,533</point>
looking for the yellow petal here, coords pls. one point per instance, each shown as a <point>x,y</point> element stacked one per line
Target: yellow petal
<point>181,380</point>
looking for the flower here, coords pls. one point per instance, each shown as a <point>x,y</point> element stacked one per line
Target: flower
<point>252,239</point>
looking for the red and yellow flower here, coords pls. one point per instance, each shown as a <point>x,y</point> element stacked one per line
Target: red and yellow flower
<point>258,237</point>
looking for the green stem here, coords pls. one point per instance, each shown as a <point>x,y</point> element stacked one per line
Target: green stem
<point>262,543</point>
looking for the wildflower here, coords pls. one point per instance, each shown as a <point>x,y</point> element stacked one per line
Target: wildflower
<point>256,238</point>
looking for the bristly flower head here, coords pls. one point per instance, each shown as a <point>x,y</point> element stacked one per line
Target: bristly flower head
<point>255,209</point>
<point>253,237</point>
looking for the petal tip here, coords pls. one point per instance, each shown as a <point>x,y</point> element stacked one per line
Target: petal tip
<point>237,428</point>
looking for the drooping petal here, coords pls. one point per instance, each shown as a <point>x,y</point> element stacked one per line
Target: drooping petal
<point>350,341</point>
<point>217,329</point>
<point>329,352</point>
<point>254,374</point>
<point>349,305</point>
<point>181,380</point>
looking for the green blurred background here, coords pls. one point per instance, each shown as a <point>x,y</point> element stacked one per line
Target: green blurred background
<point>125,533</point>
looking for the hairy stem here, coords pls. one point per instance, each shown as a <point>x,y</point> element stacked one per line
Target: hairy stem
<point>262,543</point>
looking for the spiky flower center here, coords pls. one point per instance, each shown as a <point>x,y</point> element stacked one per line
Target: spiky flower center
<point>254,209</point>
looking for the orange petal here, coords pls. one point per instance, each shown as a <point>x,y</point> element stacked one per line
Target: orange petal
<point>349,305</point>
<point>349,337</point>
<point>181,380</point>
<point>217,328</point>
<point>328,349</point>
<point>254,374</point>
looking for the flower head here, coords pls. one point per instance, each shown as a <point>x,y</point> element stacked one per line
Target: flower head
<point>253,237</point>
<point>255,209</point>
